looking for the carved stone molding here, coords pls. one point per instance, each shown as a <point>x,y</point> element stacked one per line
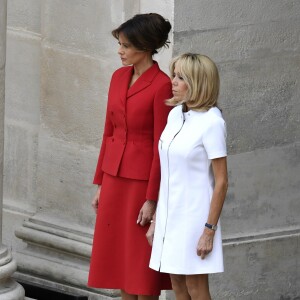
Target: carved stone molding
<point>59,255</point>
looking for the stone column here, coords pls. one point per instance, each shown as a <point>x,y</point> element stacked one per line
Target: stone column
<point>9,289</point>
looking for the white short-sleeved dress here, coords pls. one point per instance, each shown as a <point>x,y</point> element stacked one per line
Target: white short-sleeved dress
<point>186,147</point>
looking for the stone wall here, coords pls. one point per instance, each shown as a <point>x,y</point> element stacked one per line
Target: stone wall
<point>257,48</point>
<point>60,56</point>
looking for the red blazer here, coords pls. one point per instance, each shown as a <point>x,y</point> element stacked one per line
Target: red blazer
<point>135,118</point>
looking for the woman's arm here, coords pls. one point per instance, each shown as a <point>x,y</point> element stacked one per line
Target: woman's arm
<point>219,166</point>
<point>108,130</point>
<point>205,244</point>
<point>160,115</point>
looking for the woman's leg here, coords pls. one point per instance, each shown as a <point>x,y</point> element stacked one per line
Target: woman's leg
<point>143,297</point>
<point>197,286</point>
<point>179,287</point>
<point>126,296</point>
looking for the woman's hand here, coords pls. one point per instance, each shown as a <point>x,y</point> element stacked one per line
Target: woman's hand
<point>150,233</point>
<point>146,213</point>
<point>95,201</point>
<point>205,244</point>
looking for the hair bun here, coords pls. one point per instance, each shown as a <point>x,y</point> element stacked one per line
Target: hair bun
<point>147,32</point>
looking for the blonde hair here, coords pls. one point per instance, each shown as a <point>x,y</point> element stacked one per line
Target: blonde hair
<point>202,79</point>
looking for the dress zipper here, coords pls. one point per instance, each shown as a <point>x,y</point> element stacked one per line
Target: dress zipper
<point>169,185</point>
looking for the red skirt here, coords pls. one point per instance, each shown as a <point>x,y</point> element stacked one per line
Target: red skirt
<point>121,253</point>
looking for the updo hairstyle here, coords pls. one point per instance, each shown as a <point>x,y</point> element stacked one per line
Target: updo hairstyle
<point>146,32</point>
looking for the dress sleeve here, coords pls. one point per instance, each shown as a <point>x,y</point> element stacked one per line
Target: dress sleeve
<point>160,112</point>
<point>214,139</point>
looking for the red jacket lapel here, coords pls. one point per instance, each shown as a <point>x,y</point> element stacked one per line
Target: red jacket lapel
<point>124,83</point>
<point>144,81</point>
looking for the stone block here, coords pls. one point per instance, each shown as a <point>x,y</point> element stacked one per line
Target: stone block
<point>23,77</point>
<point>265,268</point>
<point>260,101</point>
<point>20,163</point>
<point>65,175</point>
<point>82,25</point>
<point>129,8</point>
<point>73,96</point>
<point>2,43</point>
<point>2,97</point>
<point>24,15</point>
<point>210,15</point>
<point>264,189</point>
<point>239,43</point>
<point>92,35</point>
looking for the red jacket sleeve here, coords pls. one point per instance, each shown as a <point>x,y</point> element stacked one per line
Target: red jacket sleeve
<point>160,112</point>
<point>108,131</point>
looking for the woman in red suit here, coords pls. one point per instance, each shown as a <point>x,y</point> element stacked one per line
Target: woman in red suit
<point>128,171</point>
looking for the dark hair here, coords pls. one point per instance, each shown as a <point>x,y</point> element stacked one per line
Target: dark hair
<point>147,32</point>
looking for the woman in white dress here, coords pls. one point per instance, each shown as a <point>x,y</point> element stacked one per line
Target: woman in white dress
<point>187,239</point>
